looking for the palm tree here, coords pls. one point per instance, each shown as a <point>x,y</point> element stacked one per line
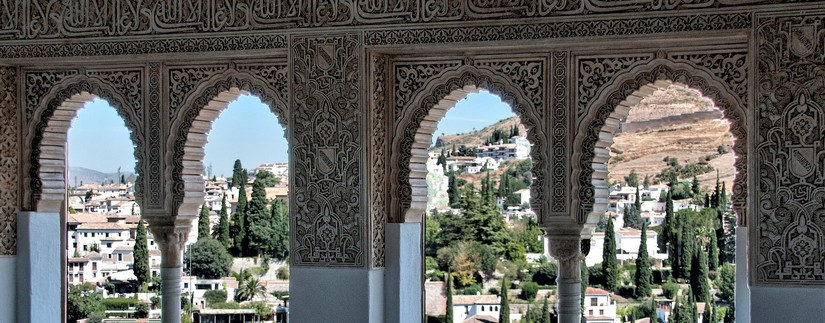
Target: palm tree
<point>252,287</point>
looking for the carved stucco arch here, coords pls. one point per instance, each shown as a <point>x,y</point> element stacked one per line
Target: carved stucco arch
<point>46,137</point>
<point>613,104</point>
<point>192,124</point>
<point>413,134</point>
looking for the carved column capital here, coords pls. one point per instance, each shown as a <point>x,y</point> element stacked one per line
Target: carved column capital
<point>566,248</point>
<point>171,241</point>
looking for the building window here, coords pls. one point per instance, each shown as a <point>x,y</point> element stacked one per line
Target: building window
<point>590,313</point>
<point>601,312</point>
<point>593,301</point>
<point>85,234</point>
<point>85,248</point>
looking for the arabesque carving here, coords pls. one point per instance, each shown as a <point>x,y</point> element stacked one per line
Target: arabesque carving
<point>329,220</point>
<point>9,160</point>
<point>790,206</point>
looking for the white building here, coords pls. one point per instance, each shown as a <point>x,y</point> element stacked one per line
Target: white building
<point>627,246</point>
<point>517,148</point>
<point>599,307</point>
<point>469,307</point>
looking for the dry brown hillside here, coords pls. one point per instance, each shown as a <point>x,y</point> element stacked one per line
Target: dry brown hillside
<point>476,138</point>
<point>675,122</point>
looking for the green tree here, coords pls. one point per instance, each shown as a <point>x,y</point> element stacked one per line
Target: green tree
<point>82,301</point>
<point>267,179</point>
<point>529,290</point>
<point>452,190</point>
<point>504,309</point>
<point>694,186</point>
<point>280,226</point>
<point>713,254</point>
<point>141,255</point>
<point>687,245</point>
<point>646,182</point>
<point>545,312</point>
<point>442,160</point>
<point>250,288</point>
<point>237,174</point>
<point>632,179</point>
<point>699,277</point>
<point>203,223</point>
<point>665,238</point>
<point>207,258</point>
<point>448,317</point>
<point>141,310</point>
<point>221,230</point>
<point>609,262</point>
<point>644,273</point>
<point>239,222</point>
<point>260,231</point>
<point>725,283</point>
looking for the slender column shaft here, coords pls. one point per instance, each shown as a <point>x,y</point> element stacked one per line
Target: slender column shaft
<point>566,249</point>
<point>170,240</point>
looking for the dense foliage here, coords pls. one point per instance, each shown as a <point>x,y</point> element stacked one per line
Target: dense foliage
<point>141,255</point>
<point>207,258</point>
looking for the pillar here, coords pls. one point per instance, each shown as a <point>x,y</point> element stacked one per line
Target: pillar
<point>566,249</point>
<point>403,279</point>
<point>170,240</point>
<point>39,291</point>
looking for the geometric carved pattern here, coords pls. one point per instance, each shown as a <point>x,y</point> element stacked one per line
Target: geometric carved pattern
<point>525,98</point>
<point>38,83</point>
<point>152,193</point>
<point>230,82</point>
<point>411,77</point>
<point>559,131</point>
<point>328,223</point>
<point>791,152</point>
<point>625,84</point>
<point>9,180</point>
<point>378,158</point>
<point>594,73</point>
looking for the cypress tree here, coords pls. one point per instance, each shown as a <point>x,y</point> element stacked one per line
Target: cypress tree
<point>609,262</point>
<point>665,238</point>
<point>713,254</point>
<point>141,255</point>
<point>723,197</point>
<point>686,244</point>
<point>504,309</point>
<point>585,282</point>
<point>203,223</point>
<point>221,231</point>
<point>442,160</point>
<point>707,200</point>
<point>280,224</point>
<point>237,175</point>
<point>449,282</point>
<point>643,272</point>
<point>258,227</point>
<point>545,312</point>
<point>694,186</point>
<point>654,317</point>
<point>452,191</point>
<point>239,222</point>
<point>699,277</point>
<point>720,236</point>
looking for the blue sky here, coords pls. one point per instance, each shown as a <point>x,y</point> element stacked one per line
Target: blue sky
<point>246,130</point>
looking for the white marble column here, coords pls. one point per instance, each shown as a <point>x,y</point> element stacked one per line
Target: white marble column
<point>566,249</point>
<point>170,240</point>
<point>38,266</point>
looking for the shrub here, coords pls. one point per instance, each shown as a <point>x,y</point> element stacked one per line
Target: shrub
<point>545,274</point>
<point>119,304</point>
<point>214,296</point>
<point>661,276</point>
<point>529,291</point>
<point>470,290</point>
<point>141,310</point>
<point>626,291</point>
<point>670,290</point>
<point>283,273</point>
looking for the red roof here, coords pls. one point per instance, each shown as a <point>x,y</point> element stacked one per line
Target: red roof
<point>596,291</point>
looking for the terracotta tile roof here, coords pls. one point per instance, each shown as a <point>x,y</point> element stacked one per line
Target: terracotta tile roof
<point>102,226</point>
<point>475,299</point>
<point>86,218</point>
<point>77,260</point>
<point>596,291</point>
<point>481,319</point>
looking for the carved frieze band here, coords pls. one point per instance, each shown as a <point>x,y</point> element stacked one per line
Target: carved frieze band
<point>153,192</point>
<point>192,88</point>
<point>559,132</point>
<point>378,157</point>
<point>48,93</point>
<point>599,104</point>
<point>789,242</point>
<point>328,222</point>
<point>9,161</point>
<point>104,18</point>
<point>519,83</point>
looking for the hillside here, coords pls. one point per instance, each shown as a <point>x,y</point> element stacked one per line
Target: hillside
<point>83,175</point>
<point>477,138</point>
<point>676,122</point>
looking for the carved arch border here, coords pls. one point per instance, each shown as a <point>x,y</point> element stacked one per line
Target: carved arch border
<point>52,118</point>
<point>634,84</point>
<point>429,104</point>
<point>192,123</point>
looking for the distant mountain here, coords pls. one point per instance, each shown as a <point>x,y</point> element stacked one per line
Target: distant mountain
<point>477,137</point>
<point>78,175</point>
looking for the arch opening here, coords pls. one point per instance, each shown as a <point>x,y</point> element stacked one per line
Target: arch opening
<point>658,163</point>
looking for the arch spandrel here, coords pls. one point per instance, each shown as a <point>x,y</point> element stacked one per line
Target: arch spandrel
<point>613,102</point>
<point>429,105</point>
<point>194,117</point>
<point>52,118</point>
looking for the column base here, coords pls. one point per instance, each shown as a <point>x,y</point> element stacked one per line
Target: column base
<point>323,294</point>
<point>39,279</point>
